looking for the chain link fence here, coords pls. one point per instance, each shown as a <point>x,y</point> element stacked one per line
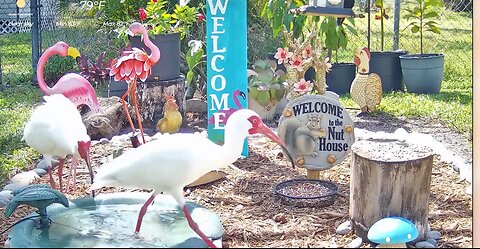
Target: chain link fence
<point>77,23</point>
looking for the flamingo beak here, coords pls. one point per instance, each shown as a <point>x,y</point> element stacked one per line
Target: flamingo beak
<point>73,52</point>
<point>243,95</point>
<point>130,33</point>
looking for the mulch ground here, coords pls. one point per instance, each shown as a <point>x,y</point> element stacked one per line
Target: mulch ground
<point>253,216</point>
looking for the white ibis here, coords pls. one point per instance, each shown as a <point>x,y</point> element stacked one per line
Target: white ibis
<point>56,129</point>
<point>174,161</point>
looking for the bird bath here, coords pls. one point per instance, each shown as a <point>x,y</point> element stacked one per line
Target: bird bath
<point>109,221</point>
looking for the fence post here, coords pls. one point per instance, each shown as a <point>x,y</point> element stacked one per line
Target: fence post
<point>34,9</point>
<point>396,24</point>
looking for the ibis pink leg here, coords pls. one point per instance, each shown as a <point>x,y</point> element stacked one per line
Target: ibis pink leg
<point>139,118</point>
<point>52,182</point>
<point>126,109</point>
<point>143,210</point>
<point>60,174</point>
<point>196,229</point>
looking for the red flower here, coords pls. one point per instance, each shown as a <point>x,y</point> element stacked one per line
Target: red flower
<point>200,17</point>
<point>154,1</point>
<point>142,13</point>
<point>282,55</point>
<point>297,62</point>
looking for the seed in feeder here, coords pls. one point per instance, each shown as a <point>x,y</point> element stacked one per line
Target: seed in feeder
<point>304,190</point>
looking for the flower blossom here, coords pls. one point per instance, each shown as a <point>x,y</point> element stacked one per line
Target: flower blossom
<point>303,86</point>
<point>283,55</point>
<point>307,52</point>
<point>200,17</point>
<point>142,14</point>
<point>328,66</point>
<point>297,62</point>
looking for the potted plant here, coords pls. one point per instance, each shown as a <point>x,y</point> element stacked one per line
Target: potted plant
<point>266,87</point>
<point>342,74</point>
<point>386,63</point>
<point>423,73</point>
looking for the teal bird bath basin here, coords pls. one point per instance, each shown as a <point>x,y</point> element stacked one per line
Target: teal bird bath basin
<point>109,221</point>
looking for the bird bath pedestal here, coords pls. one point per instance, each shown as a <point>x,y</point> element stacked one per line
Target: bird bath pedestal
<point>109,221</point>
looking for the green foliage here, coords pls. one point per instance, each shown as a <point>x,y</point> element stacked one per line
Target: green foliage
<point>381,15</point>
<point>277,11</point>
<point>423,14</point>
<point>56,67</point>
<point>122,11</point>
<point>335,36</point>
<point>194,57</point>
<point>15,107</point>
<point>164,20</point>
<point>266,85</point>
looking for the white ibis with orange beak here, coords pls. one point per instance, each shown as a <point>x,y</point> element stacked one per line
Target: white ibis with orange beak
<point>174,161</point>
<point>56,129</point>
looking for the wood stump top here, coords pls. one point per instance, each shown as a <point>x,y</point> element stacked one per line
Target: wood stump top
<point>390,150</point>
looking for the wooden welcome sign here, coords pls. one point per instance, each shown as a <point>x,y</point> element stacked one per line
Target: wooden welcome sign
<point>226,63</point>
<point>317,130</point>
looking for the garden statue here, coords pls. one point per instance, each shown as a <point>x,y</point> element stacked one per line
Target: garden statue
<point>366,89</point>
<point>133,65</point>
<point>172,118</point>
<point>39,196</point>
<point>73,86</point>
<point>315,127</point>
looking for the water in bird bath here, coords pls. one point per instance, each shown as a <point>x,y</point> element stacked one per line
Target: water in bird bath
<point>110,222</point>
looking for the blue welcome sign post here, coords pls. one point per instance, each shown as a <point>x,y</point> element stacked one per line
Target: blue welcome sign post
<point>226,63</point>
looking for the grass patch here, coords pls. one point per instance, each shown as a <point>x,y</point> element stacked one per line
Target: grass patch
<point>16,104</point>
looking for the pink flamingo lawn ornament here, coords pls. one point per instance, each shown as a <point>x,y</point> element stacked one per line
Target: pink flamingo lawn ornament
<point>229,111</point>
<point>132,65</point>
<point>72,85</point>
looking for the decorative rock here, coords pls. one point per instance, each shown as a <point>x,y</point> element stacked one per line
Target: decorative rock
<point>344,228</point>
<point>43,164</point>
<point>14,186</point>
<point>195,105</point>
<point>424,244</point>
<point>432,241</point>
<point>104,141</point>
<point>6,194</point>
<point>25,178</point>
<point>434,235</point>
<point>40,172</point>
<point>356,243</point>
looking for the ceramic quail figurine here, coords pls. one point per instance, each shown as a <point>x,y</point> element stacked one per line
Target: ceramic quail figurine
<point>366,89</point>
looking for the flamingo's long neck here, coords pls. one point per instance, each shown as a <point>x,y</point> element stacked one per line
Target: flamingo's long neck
<point>40,68</point>
<point>155,54</point>
<point>235,99</point>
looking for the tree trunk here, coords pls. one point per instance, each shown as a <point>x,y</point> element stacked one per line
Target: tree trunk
<point>389,178</point>
<point>108,122</point>
<point>150,97</point>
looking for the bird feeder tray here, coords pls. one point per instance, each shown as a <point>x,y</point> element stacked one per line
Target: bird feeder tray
<point>109,221</point>
<point>310,10</point>
<point>306,192</point>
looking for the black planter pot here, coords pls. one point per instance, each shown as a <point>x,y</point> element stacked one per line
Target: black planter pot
<point>387,66</point>
<point>168,67</point>
<point>341,77</point>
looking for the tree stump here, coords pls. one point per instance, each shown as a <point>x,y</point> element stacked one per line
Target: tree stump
<point>389,178</point>
<point>150,97</point>
<point>108,122</point>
